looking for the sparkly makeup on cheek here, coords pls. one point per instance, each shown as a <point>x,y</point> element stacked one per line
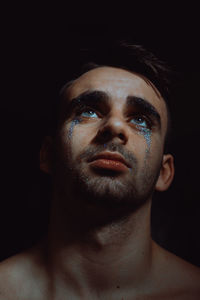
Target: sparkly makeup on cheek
<point>73,123</point>
<point>146,132</point>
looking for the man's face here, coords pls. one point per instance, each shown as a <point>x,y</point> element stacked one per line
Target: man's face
<point>110,111</point>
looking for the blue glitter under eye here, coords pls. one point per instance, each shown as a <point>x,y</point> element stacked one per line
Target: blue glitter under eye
<point>73,123</point>
<point>146,132</point>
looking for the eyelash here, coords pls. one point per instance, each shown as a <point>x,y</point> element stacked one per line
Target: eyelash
<point>82,109</point>
<point>147,119</point>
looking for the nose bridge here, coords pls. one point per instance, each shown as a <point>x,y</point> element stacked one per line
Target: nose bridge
<point>114,126</point>
<point>115,120</point>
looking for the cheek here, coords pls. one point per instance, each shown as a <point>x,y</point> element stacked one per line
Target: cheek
<point>78,136</point>
<point>148,146</point>
<point>154,156</point>
<point>143,141</point>
<point>157,146</point>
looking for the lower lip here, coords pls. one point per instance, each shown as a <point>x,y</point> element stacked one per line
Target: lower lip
<point>109,164</point>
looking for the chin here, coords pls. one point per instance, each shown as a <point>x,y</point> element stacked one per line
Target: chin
<point>108,191</point>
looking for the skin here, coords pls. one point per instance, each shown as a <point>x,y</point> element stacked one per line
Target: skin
<point>100,248</point>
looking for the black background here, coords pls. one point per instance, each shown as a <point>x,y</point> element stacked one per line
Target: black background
<point>35,44</point>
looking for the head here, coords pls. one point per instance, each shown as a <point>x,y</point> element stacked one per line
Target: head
<point>112,108</point>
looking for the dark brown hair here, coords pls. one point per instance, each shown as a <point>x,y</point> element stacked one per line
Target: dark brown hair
<point>124,55</point>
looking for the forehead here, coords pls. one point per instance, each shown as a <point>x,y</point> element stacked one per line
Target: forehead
<point>119,84</point>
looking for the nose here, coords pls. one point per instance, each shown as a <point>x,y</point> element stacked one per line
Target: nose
<point>113,128</point>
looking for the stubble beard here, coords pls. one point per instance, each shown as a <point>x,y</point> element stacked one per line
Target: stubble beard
<point>108,191</point>
<point>129,192</point>
<point>115,195</point>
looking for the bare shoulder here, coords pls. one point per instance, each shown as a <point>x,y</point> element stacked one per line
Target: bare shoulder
<point>177,275</point>
<point>19,274</point>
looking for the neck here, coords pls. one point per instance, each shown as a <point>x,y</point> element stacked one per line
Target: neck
<point>101,258</point>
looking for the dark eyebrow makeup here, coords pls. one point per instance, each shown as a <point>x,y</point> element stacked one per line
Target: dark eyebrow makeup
<point>143,106</point>
<point>95,99</point>
<point>102,100</point>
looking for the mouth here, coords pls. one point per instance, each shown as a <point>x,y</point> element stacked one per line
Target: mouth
<point>109,161</point>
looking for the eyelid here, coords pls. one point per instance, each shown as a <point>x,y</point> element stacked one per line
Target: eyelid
<point>82,108</point>
<point>147,118</point>
<point>140,114</point>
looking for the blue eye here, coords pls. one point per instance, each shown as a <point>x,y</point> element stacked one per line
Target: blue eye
<point>140,121</point>
<point>89,114</point>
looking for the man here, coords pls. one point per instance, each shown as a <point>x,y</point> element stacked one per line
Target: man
<point>106,157</point>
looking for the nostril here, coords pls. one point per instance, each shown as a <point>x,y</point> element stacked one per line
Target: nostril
<point>121,136</point>
<point>106,134</point>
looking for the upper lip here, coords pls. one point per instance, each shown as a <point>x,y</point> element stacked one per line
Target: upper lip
<point>111,156</point>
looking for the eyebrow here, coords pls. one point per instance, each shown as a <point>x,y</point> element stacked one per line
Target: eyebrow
<point>97,98</point>
<point>92,98</point>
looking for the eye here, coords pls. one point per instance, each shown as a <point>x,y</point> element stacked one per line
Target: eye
<point>89,113</point>
<point>141,121</point>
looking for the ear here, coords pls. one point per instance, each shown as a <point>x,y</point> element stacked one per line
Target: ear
<point>166,173</point>
<point>46,152</point>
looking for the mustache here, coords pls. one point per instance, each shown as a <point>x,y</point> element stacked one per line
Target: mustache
<point>91,151</point>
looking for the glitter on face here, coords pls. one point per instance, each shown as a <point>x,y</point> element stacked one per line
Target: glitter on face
<point>146,132</point>
<point>73,123</point>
